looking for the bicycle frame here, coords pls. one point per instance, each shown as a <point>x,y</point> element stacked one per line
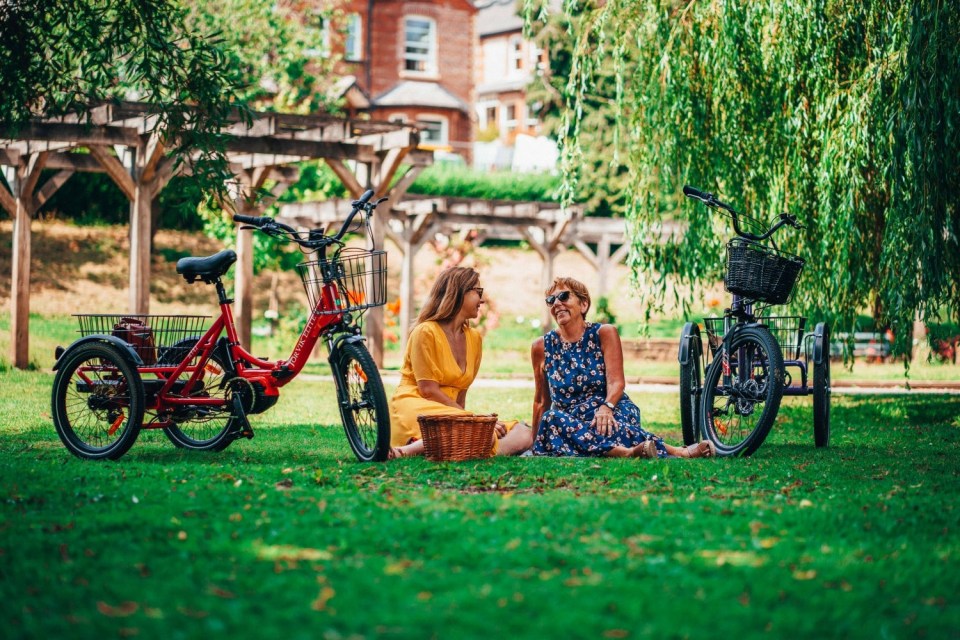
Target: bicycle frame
<point>271,375</point>
<point>741,313</point>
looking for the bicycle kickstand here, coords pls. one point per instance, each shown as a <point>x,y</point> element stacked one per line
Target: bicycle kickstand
<point>241,426</point>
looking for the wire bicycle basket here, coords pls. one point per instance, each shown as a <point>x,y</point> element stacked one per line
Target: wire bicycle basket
<point>788,331</point>
<point>360,274</point>
<point>761,273</point>
<point>154,337</point>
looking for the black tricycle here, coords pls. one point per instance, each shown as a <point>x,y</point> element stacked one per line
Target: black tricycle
<point>730,391</point>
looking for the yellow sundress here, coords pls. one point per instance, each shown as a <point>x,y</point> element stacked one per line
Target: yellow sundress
<point>428,356</point>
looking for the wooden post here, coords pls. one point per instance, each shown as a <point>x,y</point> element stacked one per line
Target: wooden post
<point>140,222</point>
<point>20,293</point>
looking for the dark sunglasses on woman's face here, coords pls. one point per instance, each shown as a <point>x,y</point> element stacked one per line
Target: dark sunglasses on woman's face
<point>562,296</point>
<point>479,291</point>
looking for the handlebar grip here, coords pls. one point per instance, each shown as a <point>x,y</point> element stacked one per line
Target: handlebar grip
<point>691,192</point>
<point>364,199</point>
<point>252,220</point>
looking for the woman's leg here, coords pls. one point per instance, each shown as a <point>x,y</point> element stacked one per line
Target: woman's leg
<point>414,448</point>
<point>517,440</point>
<point>703,449</point>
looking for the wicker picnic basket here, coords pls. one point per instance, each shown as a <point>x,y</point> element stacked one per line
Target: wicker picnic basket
<point>457,437</point>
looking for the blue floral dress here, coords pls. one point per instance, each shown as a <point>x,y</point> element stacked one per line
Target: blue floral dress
<point>577,379</point>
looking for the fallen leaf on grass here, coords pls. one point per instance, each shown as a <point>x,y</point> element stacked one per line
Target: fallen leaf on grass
<point>214,590</point>
<point>290,553</point>
<point>804,575</point>
<point>284,484</point>
<point>122,610</point>
<point>616,633</point>
<point>325,595</point>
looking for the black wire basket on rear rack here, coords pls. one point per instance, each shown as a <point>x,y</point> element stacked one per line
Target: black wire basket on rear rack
<point>788,331</point>
<point>155,338</point>
<point>361,276</point>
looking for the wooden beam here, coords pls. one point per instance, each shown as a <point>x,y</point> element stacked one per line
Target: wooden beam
<point>74,134</point>
<point>9,156</point>
<point>304,149</point>
<point>51,186</point>
<point>117,172</point>
<point>8,202</point>
<point>74,162</point>
<point>152,154</point>
<point>346,176</point>
<point>34,167</point>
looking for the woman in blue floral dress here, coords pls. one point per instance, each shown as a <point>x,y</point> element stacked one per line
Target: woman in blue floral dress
<point>580,408</point>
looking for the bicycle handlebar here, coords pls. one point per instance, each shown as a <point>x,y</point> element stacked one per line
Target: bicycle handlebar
<point>316,240</point>
<point>711,201</point>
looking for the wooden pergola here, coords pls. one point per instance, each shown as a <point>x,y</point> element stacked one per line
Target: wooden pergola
<point>123,141</point>
<point>548,227</point>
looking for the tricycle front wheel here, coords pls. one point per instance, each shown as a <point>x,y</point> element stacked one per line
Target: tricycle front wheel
<point>362,402</point>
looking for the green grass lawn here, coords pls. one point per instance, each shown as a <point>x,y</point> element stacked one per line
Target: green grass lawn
<point>287,536</point>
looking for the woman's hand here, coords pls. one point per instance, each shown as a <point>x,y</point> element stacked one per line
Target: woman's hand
<point>604,422</point>
<point>500,429</point>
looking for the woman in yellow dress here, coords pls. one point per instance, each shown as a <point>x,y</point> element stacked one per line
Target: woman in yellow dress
<point>441,362</point>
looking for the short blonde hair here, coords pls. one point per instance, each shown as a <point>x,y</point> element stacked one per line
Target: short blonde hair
<point>575,287</point>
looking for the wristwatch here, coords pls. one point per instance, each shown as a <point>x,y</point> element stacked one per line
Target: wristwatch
<point>610,405</point>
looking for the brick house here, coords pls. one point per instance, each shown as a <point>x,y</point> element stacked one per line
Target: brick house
<point>411,62</point>
<point>507,63</point>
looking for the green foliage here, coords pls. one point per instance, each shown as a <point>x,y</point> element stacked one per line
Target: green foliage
<point>446,179</point>
<point>62,56</point>
<point>804,542</point>
<point>275,49</point>
<point>595,174</point>
<point>603,313</point>
<point>842,112</point>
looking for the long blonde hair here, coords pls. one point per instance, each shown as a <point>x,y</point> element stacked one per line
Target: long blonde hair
<point>446,295</point>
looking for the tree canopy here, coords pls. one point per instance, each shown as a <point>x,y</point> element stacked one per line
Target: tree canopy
<point>843,112</point>
<point>64,56</point>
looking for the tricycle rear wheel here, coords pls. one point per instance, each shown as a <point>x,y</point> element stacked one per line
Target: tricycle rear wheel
<point>821,386</point>
<point>97,401</point>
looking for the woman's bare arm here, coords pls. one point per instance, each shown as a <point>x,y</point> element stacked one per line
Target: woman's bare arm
<point>613,361</point>
<point>430,390</point>
<point>541,394</point>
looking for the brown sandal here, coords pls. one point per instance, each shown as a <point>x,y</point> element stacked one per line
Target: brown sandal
<point>395,453</point>
<point>646,449</point>
<point>704,449</point>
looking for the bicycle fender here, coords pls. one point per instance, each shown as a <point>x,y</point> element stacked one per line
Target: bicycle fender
<point>348,338</point>
<point>129,353</point>
<point>691,331</point>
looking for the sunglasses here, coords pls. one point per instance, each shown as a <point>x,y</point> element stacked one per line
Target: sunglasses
<point>479,291</point>
<point>563,296</point>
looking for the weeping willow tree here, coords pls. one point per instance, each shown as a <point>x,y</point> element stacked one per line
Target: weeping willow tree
<point>844,112</point>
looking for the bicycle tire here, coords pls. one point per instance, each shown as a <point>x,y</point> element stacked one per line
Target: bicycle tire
<point>190,431</point>
<point>759,386</point>
<point>97,416</point>
<point>821,388</point>
<point>362,403</point>
<point>690,381</point>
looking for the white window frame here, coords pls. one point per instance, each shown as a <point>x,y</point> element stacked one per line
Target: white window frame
<point>353,36</point>
<point>444,140</point>
<point>510,125</point>
<point>428,59</point>
<point>515,61</point>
